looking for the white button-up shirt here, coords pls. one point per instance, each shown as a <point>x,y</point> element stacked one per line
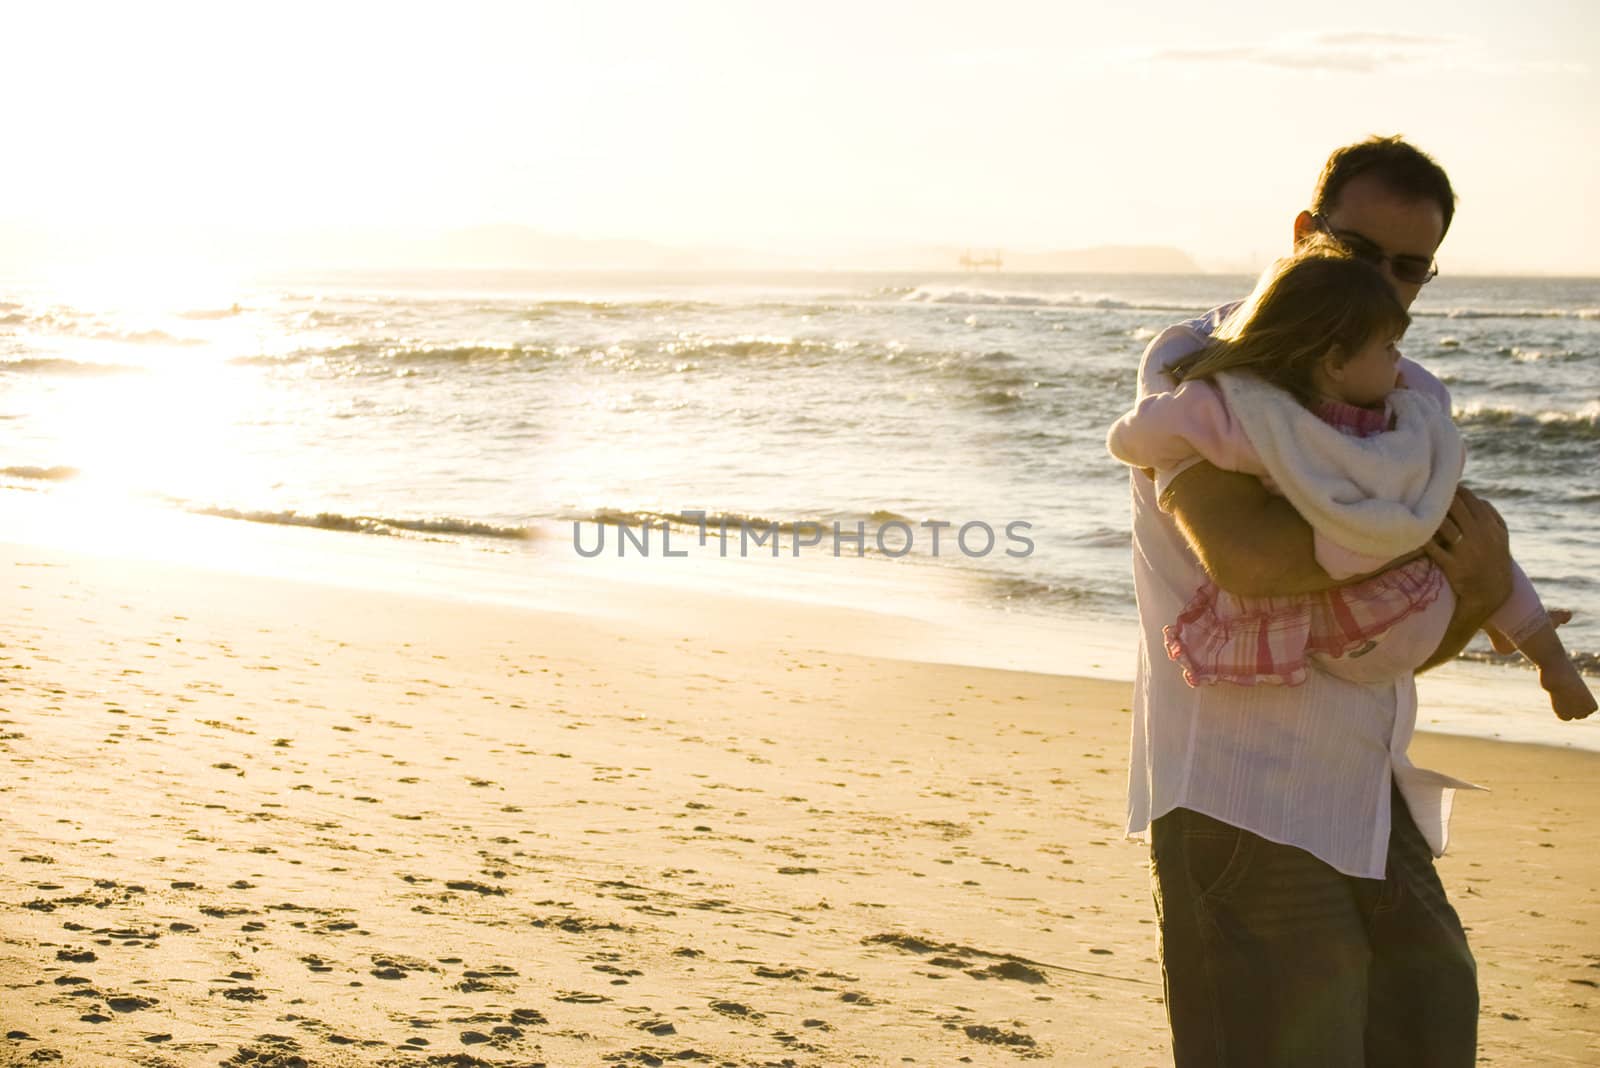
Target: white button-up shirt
<point>1307,765</point>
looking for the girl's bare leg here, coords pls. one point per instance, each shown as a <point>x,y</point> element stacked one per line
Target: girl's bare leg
<point>1499,641</point>
<point>1503,644</point>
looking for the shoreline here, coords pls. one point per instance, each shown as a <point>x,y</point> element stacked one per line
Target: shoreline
<point>262,819</point>
<point>906,608</point>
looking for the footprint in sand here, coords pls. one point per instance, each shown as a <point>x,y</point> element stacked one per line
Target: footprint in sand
<point>994,1036</point>
<point>475,887</point>
<point>657,1027</point>
<point>129,1003</point>
<point>241,993</point>
<point>654,1057</point>
<point>272,1051</point>
<point>1009,970</point>
<point>735,1009</point>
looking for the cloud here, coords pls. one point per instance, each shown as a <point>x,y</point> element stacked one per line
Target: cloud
<point>1345,53</point>
<point>1361,38</point>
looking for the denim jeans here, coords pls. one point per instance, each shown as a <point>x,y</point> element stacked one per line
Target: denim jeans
<point>1271,957</point>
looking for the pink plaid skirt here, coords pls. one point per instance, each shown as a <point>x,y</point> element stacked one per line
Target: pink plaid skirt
<point>1251,641</point>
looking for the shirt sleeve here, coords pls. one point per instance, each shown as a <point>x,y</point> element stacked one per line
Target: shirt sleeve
<point>1415,376</point>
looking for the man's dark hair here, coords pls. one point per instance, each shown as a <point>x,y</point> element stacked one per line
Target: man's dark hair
<point>1402,168</point>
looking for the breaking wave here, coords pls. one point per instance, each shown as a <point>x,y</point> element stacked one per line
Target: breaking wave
<point>1013,299</point>
<point>53,365</point>
<point>1581,425</point>
<point>366,524</point>
<point>42,474</point>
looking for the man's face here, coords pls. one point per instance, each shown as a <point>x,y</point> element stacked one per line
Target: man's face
<point>1398,225</point>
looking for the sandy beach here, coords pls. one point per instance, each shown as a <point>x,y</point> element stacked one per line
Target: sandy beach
<point>255,822</point>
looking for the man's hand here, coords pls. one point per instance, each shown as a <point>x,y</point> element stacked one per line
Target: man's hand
<point>1473,550</point>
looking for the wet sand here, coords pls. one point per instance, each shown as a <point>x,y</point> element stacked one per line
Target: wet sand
<point>255,822</point>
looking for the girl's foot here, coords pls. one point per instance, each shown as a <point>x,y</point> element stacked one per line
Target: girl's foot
<point>1569,694</point>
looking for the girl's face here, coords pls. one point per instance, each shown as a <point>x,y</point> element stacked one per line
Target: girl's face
<point>1370,375</point>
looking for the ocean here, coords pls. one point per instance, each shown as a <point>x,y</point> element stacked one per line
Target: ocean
<point>496,410</point>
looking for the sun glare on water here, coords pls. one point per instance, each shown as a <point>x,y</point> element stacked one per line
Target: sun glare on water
<point>161,422</point>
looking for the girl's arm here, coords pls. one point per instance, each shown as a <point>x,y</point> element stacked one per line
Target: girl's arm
<point>1170,432</point>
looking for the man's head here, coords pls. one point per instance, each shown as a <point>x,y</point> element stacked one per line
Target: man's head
<point>1387,201</point>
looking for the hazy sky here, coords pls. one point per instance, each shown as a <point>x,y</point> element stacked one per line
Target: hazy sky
<point>1020,125</point>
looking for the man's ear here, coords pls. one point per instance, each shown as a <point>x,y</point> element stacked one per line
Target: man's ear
<point>1304,227</point>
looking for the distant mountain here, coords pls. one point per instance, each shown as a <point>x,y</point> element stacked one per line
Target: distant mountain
<point>510,246</point>
<point>1106,259</point>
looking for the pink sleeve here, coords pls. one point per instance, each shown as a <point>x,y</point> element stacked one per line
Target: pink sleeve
<point>1170,431</point>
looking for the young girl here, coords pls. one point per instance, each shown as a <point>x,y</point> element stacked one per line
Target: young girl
<point>1299,386</point>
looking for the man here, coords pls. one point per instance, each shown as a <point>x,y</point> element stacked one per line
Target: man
<point>1292,841</point>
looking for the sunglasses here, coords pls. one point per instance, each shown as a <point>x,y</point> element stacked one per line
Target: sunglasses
<point>1416,270</point>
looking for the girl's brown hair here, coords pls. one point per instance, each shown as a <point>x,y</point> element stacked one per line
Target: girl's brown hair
<point>1319,300</point>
